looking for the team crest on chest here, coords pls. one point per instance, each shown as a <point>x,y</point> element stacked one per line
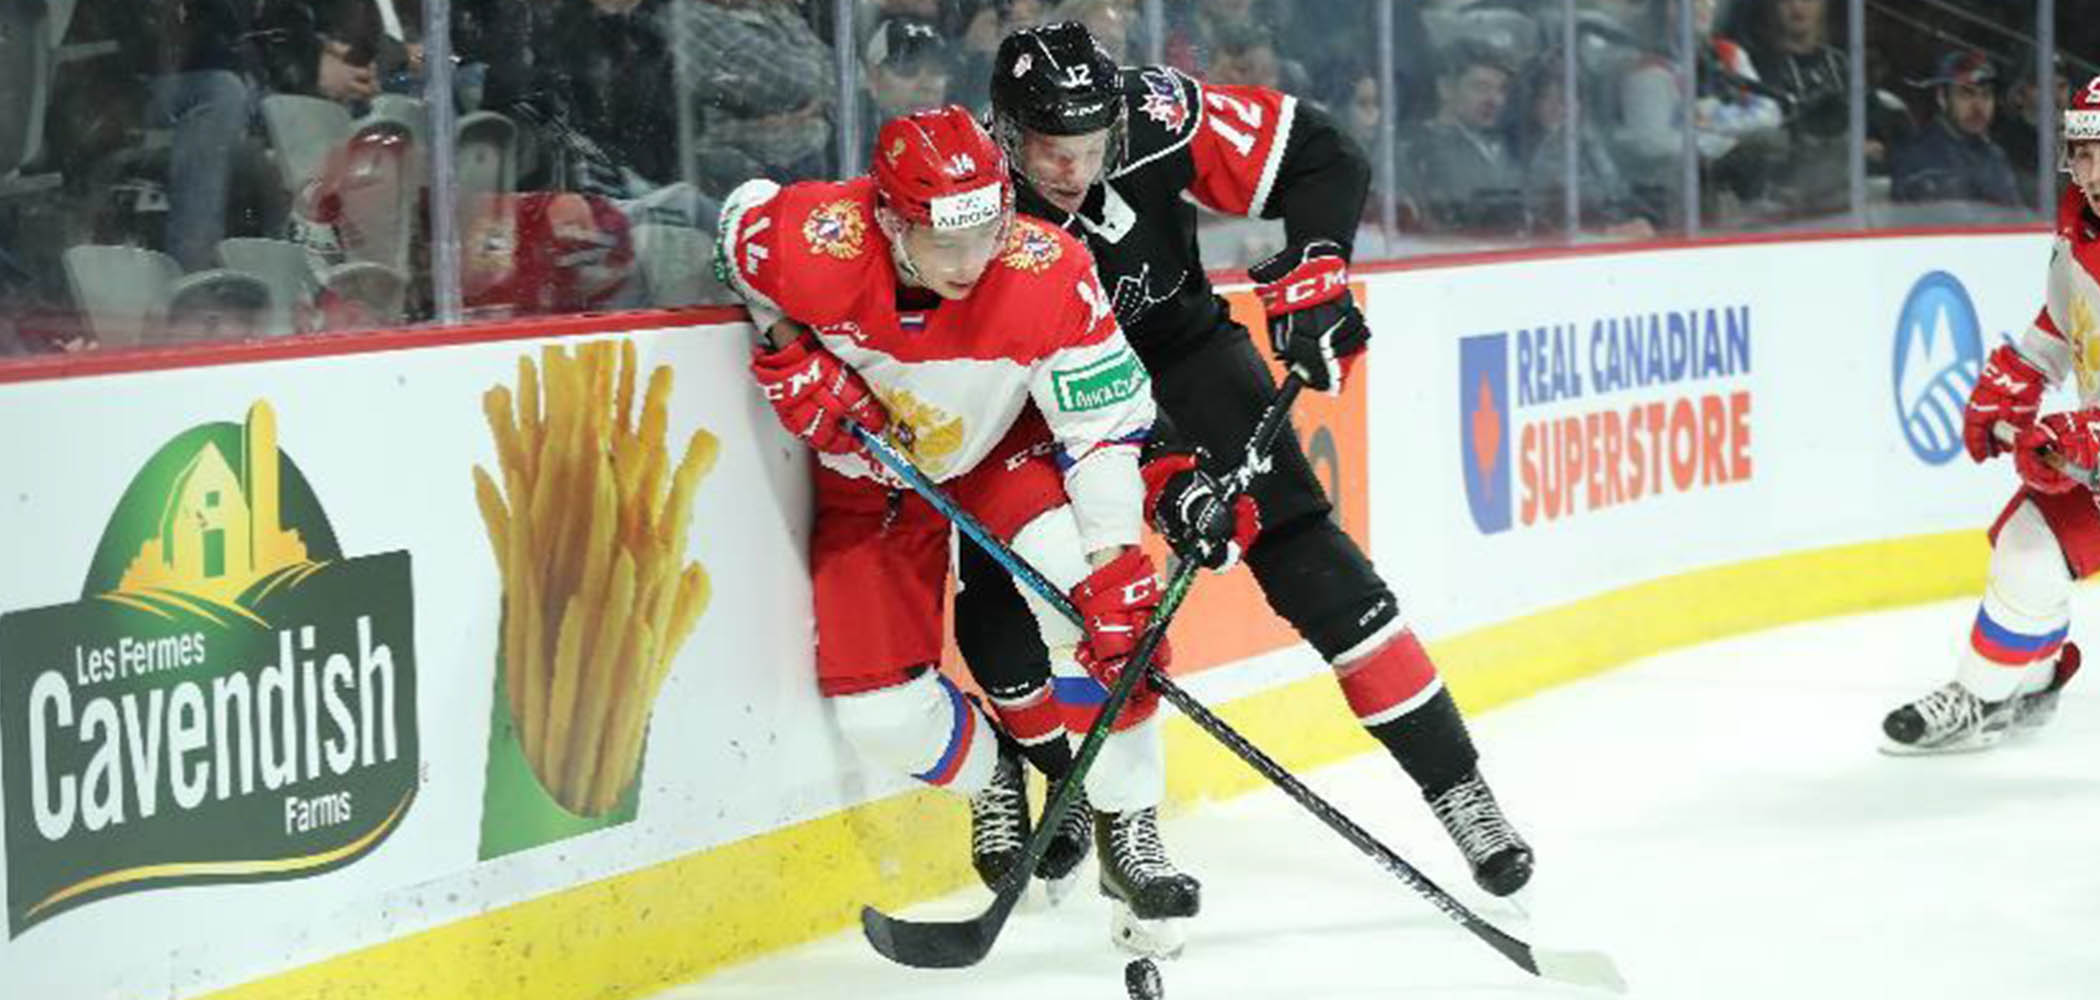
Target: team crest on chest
<point>1164,102</point>
<point>837,229</point>
<point>929,434</point>
<point>2084,335</point>
<point>1031,248</point>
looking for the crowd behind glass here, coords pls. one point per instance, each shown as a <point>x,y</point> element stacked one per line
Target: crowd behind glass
<point>185,171</point>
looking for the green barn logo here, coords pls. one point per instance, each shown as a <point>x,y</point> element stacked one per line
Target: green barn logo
<point>230,700</point>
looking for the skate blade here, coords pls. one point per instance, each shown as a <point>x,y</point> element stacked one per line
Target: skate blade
<point>1056,890</point>
<point>1515,906</point>
<point>1163,938</point>
<point>1969,744</point>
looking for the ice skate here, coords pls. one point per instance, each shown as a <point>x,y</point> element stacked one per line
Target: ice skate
<point>2033,710</point>
<point>1069,846</point>
<point>1500,859</point>
<point>1949,720</point>
<point>1150,895</point>
<point>999,821</point>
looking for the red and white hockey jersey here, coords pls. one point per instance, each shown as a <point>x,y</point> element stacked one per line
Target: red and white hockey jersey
<point>2065,339</point>
<point>1036,328</point>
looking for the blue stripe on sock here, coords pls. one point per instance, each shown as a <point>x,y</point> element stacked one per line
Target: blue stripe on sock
<point>958,725</point>
<point>2009,639</point>
<point>1084,692</point>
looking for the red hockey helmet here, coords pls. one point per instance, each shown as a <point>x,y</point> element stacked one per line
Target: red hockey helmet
<point>2082,117</point>
<point>940,168</point>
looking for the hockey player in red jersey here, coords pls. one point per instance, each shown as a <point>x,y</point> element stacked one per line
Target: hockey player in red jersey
<point>2018,660</point>
<point>1114,155</point>
<point>913,303</point>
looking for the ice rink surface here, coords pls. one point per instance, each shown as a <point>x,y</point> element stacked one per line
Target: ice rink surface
<point>1717,819</point>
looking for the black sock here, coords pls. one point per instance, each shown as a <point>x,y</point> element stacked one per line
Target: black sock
<point>1053,757</point>
<point>1431,744</point>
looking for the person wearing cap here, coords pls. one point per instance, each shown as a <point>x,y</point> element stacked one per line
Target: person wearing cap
<point>905,68</point>
<point>1954,159</point>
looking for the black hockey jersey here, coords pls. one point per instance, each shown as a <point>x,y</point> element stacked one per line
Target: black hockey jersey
<point>1239,150</point>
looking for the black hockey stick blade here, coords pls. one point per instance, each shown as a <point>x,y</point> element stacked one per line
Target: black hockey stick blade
<point>941,944</point>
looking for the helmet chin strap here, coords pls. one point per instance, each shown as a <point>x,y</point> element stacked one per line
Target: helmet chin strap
<point>893,230</point>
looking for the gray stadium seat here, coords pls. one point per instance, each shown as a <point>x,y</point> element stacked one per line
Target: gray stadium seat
<point>410,112</point>
<point>674,264</point>
<point>379,195</point>
<point>123,291</point>
<point>283,266</point>
<point>486,161</point>
<point>303,130</point>
<point>217,305</point>
<point>381,290</point>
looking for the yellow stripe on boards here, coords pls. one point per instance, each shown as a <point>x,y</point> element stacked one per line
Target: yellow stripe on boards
<point>645,931</point>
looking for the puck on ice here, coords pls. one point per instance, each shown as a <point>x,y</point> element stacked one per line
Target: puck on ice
<point>1141,978</point>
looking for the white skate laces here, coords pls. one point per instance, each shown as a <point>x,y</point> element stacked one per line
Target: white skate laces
<point>1950,719</point>
<point>998,814</point>
<point>1134,839</point>
<point>1476,823</point>
<point>1949,711</point>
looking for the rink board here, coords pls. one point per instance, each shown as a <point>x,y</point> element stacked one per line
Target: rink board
<point>1791,463</point>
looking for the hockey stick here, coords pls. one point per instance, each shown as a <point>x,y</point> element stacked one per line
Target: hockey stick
<point>2009,435</point>
<point>1578,968</point>
<point>956,943</point>
<point>968,941</point>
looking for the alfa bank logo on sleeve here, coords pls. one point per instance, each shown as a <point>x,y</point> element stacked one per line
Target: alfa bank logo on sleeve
<point>1582,415</point>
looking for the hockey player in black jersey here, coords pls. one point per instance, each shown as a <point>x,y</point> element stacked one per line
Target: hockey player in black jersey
<point>1108,153</point>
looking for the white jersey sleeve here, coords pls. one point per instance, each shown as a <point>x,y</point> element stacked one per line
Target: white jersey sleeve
<point>1097,398</point>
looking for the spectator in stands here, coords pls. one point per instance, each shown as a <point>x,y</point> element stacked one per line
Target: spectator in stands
<point>1246,54</point>
<point>1457,170</point>
<point>205,75</point>
<point>1110,22</point>
<point>1198,30</point>
<point>764,85</point>
<point>1813,78</point>
<point>2015,128</point>
<point>905,69</point>
<point>1354,103</point>
<point>986,24</point>
<point>603,111</point>
<point>1954,159</point>
<point>1606,202</point>
<point>1736,127</point>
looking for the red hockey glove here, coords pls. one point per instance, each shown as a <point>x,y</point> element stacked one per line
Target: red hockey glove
<point>1116,602</point>
<point>1187,505</point>
<point>1314,326</point>
<point>815,393</point>
<point>2009,389</point>
<point>2074,435</point>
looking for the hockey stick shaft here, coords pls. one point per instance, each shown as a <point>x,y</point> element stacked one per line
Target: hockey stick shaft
<point>2009,435</point>
<point>958,943</point>
<point>1583,968</point>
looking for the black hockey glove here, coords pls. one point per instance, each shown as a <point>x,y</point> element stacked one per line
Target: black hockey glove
<point>1187,506</point>
<point>1314,326</point>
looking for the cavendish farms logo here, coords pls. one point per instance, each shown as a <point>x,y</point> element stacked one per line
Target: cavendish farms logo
<point>230,700</point>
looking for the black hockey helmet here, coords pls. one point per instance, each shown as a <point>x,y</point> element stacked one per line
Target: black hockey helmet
<point>1056,80</point>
